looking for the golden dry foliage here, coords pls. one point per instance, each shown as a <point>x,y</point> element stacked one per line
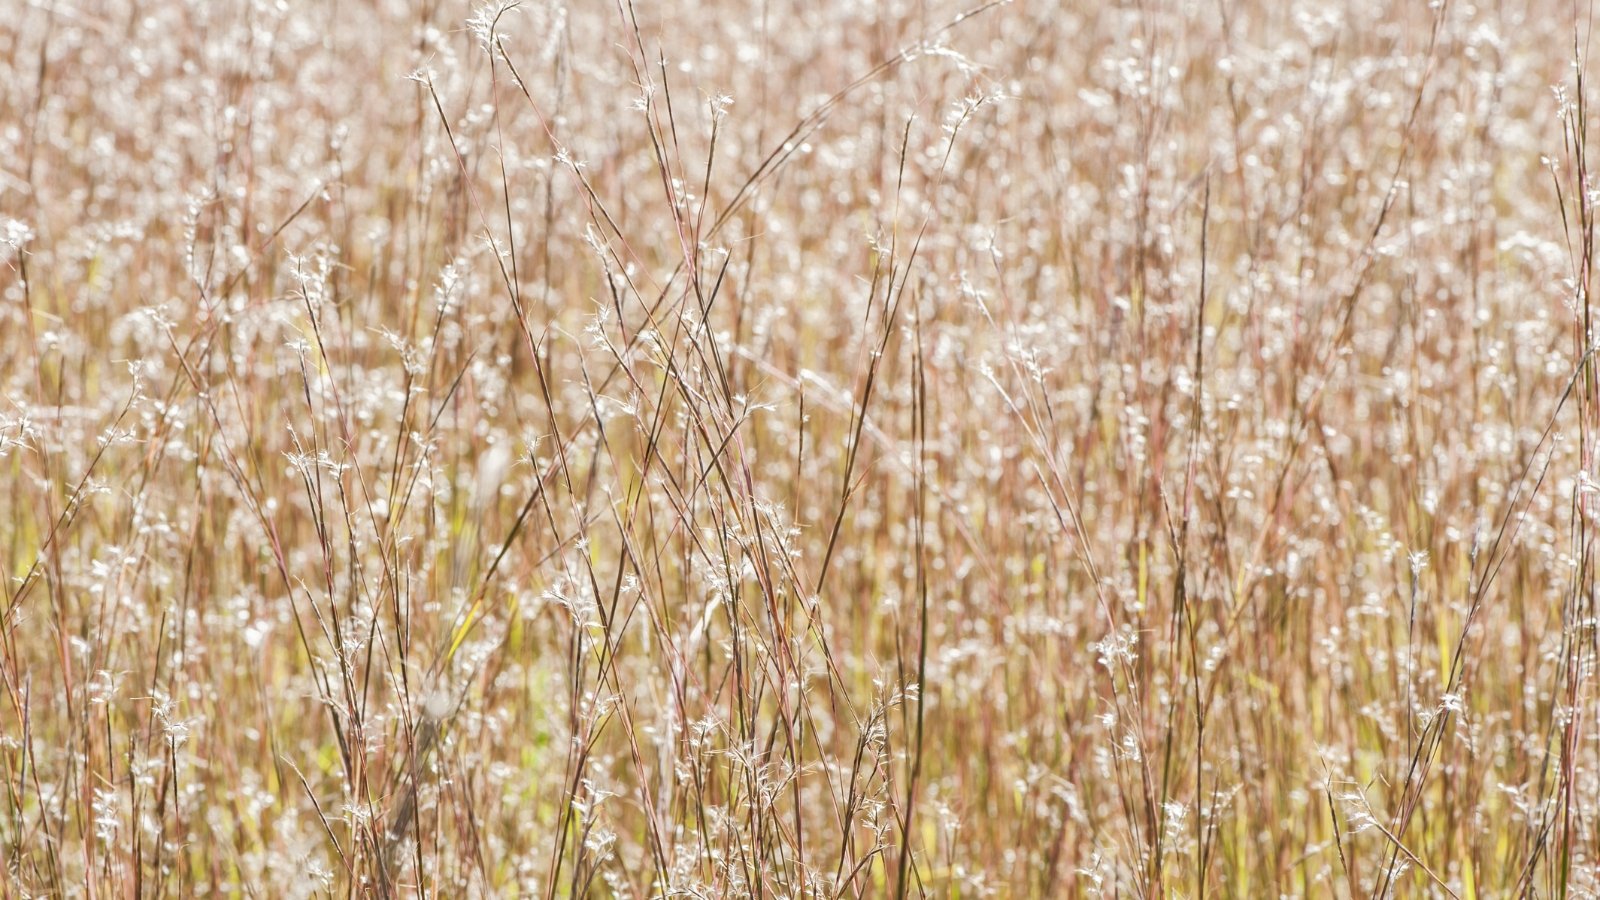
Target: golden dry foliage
<point>654,448</point>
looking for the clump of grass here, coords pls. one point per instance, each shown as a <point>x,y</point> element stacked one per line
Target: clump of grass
<point>664,449</point>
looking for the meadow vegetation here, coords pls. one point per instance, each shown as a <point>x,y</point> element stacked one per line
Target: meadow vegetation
<point>659,448</point>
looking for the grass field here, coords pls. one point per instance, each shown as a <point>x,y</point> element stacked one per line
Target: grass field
<point>658,448</point>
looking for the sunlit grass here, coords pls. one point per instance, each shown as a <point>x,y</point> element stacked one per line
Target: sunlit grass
<point>811,450</point>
